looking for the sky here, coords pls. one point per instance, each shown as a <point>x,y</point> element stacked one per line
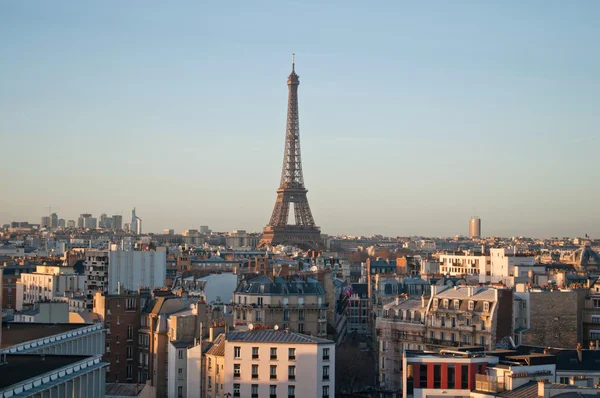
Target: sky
<point>413,115</point>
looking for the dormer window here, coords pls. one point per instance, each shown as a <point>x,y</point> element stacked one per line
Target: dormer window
<point>471,305</point>
<point>435,303</point>
<point>486,307</point>
<point>445,303</point>
<point>456,304</point>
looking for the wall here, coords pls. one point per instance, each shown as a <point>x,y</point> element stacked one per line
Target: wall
<point>557,318</point>
<point>136,269</point>
<point>194,371</point>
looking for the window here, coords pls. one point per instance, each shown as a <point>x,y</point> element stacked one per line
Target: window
<point>435,303</point>
<point>180,354</point>
<point>254,390</point>
<point>117,339</point>
<point>564,380</point>
<point>456,304</point>
<point>325,391</point>
<point>257,316</point>
<point>209,382</point>
<point>236,390</point>
<point>596,303</point>
<point>471,305</point>
<point>130,304</point>
<point>129,370</point>
<point>441,335</point>
<point>260,301</point>
<point>326,354</point>
<point>286,315</point>
<point>180,374</point>
<point>130,332</point>
<point>273,353</point>
<point>482,340</point>
<point>291,373</point>
<point>453,321</point>
<point>482,325</point>
<point>237,352</point>
<point>272,391</point>
<point>180,391</point>
<point>255,371</point>
<point>325,372</point>
<point>254,352</point>
<point>300,328</point>
<point>291,391</point>
<point>129,352</point>
<point>301,315</point>
<point>236,370</point>
<point>443,322</point>
<point>445,303</point>
<point>486,307</point>
<point>291,354</point>
<point>273,372</point>
<point>117,357</point>
<point>118,303</point>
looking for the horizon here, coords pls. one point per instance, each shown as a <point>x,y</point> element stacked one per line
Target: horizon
<point>411,118</point>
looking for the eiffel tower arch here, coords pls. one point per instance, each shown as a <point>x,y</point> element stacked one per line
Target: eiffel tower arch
<point>304,234</point>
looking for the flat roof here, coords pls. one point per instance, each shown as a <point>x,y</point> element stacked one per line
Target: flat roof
<point>21,367</point>
<point>20,332</point>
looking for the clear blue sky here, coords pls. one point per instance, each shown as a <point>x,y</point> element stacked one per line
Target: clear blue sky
<point>412,115</point>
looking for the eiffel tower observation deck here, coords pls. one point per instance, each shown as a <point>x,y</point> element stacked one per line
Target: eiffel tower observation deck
<point>304,234</point>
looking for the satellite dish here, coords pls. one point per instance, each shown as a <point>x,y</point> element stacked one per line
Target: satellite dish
<point>250,326</point>
<point>276,327</point>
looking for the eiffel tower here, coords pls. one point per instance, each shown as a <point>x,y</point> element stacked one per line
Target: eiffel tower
<point>304,234</point>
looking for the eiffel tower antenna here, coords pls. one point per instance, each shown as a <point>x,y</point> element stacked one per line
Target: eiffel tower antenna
<point>304,234</point>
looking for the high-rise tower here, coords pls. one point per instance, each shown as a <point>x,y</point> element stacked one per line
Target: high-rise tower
<point>475,227</point>
<point>303,234</point>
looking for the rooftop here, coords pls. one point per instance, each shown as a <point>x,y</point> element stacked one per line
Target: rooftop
<point>123,389</point>
<point>19,366</point>
<point>17,333</point>
<point>275,336</point>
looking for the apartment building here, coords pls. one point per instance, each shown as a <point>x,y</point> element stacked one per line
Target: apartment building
<point>121,316</point>
<point>48,283</point>
<point>111,270</point>
<point>295,303</point>
<point>273,363</point>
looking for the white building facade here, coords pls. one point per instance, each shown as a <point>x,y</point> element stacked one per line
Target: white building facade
<point>263,363</point>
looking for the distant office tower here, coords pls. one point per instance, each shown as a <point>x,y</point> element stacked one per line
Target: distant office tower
<point>136,223</point>
<point>62,223</point>
<point>91,223</point>
<point>102,223</point>
<point>475,227</point>
<point>54,220</point>
<point>169,231</point>
<point>204,229</point>
<point>45,222</point>
<point>127,227</point>
<point>82,220</point>
<point>71,224</point>
<point>117,221</point>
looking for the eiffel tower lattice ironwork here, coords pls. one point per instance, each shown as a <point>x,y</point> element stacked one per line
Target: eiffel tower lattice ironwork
<point>304,233</point>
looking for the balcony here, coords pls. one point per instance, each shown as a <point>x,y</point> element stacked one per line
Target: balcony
<point>466,328</point>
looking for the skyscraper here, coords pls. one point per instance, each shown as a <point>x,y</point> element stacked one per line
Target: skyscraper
<point>54,220</point>
<point>136,223</point>
<point>304,233</point>
<point>102,222</point>
<point>45,222</point>
<point>475,227</point>
<point>117,222</point>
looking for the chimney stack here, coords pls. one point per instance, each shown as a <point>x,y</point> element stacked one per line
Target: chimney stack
<point>541,388</point>
<point>579,353</point>
<point>397,299</point>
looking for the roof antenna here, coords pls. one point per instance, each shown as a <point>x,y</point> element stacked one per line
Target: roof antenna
<point>293,61</point>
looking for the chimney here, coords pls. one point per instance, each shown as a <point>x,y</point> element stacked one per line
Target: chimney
<point>541,388</point>
<point>579,353</point>
<point>397,299</point>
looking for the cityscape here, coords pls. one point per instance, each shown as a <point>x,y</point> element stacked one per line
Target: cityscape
<point>102,303</point>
